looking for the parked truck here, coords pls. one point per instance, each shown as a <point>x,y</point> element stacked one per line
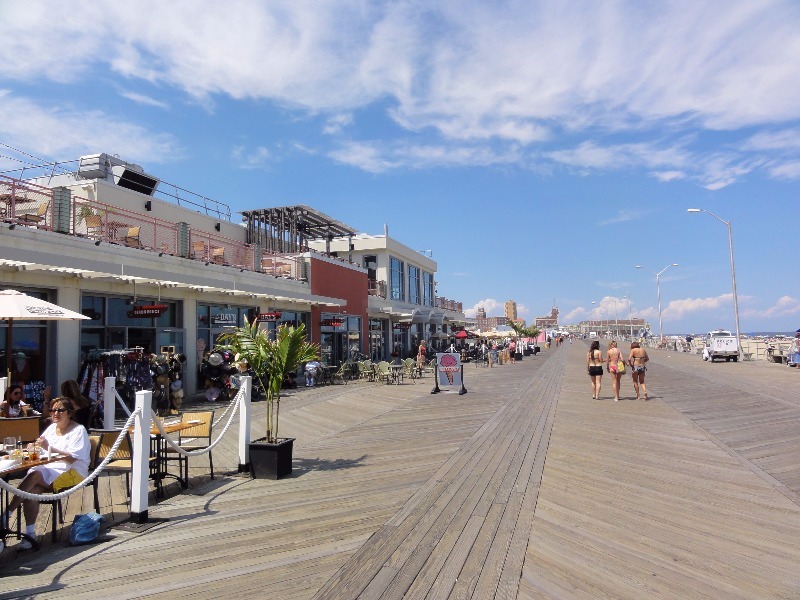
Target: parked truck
<point>721,344</point>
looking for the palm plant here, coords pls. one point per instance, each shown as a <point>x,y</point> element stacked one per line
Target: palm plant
<point>270,359</point>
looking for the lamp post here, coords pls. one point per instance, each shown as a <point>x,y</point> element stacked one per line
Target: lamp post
<point>658,290</point>
<point>616,319</point>
<point>733,273</point>
<point>630,320</point>
<point>600,312</point>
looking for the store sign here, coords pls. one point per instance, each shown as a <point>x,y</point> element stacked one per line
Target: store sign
<point>331,322</point>
<point>268,317</point>
<point>148,311</point>
<point>402,325</point>
<point>224,319</point>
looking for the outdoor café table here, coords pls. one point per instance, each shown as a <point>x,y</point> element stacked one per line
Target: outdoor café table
<point>397,370</point>
<point>5,474</point>
<point>158,448</point>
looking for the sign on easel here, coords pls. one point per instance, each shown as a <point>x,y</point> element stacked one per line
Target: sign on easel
<point>449,372</point>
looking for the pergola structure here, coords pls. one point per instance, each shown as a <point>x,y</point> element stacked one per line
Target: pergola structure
<point>287,229</point>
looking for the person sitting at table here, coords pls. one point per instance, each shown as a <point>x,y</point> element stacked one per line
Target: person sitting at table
<point>64,436</point>
<point>71,390</point>
<point>13,404</point>
<point>312,368</point>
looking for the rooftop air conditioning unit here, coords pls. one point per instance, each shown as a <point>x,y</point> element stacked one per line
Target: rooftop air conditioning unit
<point>124,174</point>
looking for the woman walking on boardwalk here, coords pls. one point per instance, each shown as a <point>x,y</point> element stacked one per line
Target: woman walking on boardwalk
<point>637,361</point>
<point>594,362</point>
<point>613,358</point>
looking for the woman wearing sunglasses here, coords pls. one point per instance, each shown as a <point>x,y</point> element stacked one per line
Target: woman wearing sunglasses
<point>67,438</point>
<point>13,405</point>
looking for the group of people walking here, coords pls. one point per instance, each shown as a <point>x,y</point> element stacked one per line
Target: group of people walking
<point>615,365</point>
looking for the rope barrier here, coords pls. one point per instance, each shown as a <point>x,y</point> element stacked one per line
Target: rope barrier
<point>91,477</point>
<point>176,447</point>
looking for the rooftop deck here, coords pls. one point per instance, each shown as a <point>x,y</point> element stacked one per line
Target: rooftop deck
<point>522,488</point>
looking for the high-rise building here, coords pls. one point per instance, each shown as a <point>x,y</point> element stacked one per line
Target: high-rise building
<point>510,310</point>
<point>480,313</point>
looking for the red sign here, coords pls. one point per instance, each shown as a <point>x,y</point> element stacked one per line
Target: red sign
<point>269,317</point>
<point>147,312</point>
<point>331,322</point>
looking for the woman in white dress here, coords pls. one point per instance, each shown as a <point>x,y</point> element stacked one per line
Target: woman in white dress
<point>65,437</point>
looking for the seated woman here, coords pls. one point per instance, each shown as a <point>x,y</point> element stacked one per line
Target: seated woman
<point>64,436</point>
<point>82,405</point>
<point>13,404</point>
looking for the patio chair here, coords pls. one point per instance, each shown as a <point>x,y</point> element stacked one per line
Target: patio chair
<point>132,237</point>
<point>365,370</point>
<point>25,428</point>
<point>344,372</point>
<point>383,372</point>
<point>410,369</point>
<point>35,218</point>
<point>218,255</point>
<point>199,250</point>
<point>94,225</point>
<point>123,457</point>
<point>189,439</point>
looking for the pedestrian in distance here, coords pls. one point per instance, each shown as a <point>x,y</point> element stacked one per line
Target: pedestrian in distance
<point>594,363</point>
<point>796,348</point>
<point>613,358</point>
<point>637,362</point>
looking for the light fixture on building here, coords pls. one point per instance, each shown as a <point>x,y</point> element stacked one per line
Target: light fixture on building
<point>218,226</point>
<point>148,206</point>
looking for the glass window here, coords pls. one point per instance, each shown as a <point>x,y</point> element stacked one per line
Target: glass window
<point>118,312</point>
<point>371,265</point>
<point>427,288</point>
<point>414,295</point>
<point>397,283</point>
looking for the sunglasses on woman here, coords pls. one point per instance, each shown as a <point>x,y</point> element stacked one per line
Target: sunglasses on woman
<point>60,410</point>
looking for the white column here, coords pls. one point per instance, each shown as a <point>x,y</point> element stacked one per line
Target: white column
<point>244,424</point>
<point>109,402</point>
<point>141,457</point>
<point>3,386</point>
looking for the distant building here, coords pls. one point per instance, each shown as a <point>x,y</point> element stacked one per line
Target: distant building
<point>488,323</point>
<point>614,327</point>
<point>550,322</point>
<point>480,313</point>
<point>510,310</point>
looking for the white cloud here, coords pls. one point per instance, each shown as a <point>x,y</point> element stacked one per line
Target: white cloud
<point>511,75</point>
<point>677,309</point>
<point>623,216</point>
<point>142,99</point>
<point>785,306</point>
<point>492,307</point>
<point>256,158</point>
<point>787,170</point>
<point>60,132</point>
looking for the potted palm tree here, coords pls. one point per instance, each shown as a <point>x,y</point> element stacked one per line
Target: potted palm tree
<point>270,360</point>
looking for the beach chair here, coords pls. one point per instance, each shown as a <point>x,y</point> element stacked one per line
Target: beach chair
<point>34,218</point>
<point>218,255</point>
<point>199,250</point>
<point>94,225</point>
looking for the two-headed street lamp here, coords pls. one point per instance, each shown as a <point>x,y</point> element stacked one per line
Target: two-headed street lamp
<point>733,272</point>
<point>658,290</point>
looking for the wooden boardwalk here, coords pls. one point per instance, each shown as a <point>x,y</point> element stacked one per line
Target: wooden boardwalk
<point>522,488</point>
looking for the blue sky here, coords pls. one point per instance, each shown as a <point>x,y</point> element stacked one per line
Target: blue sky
<point>541,150</point>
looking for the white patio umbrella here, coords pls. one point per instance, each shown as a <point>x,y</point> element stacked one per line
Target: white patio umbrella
<point>16,306</point>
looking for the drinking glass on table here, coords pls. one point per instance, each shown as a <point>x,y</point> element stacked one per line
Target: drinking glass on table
<point>9,444</point>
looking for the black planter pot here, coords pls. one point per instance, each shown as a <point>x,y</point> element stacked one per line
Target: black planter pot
<point>271,461</point>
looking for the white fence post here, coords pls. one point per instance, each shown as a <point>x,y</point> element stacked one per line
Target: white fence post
<point>141,457</point>
<point>109,402</point>
<point>244,424</point>
<point>3,386</point>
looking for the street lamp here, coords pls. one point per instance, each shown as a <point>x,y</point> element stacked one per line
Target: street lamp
<point>658,290</point>
<point>600,312</point>
<point>630,320</point>
<point>733,273</point>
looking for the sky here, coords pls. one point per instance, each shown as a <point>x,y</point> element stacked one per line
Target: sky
<point>539,150</point>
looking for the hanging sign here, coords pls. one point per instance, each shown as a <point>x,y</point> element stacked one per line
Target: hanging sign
<point>224,319</point>
<point>401,325</point>
<point>331,322</point>
<point>147,311</point>
<point>268,317</point>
